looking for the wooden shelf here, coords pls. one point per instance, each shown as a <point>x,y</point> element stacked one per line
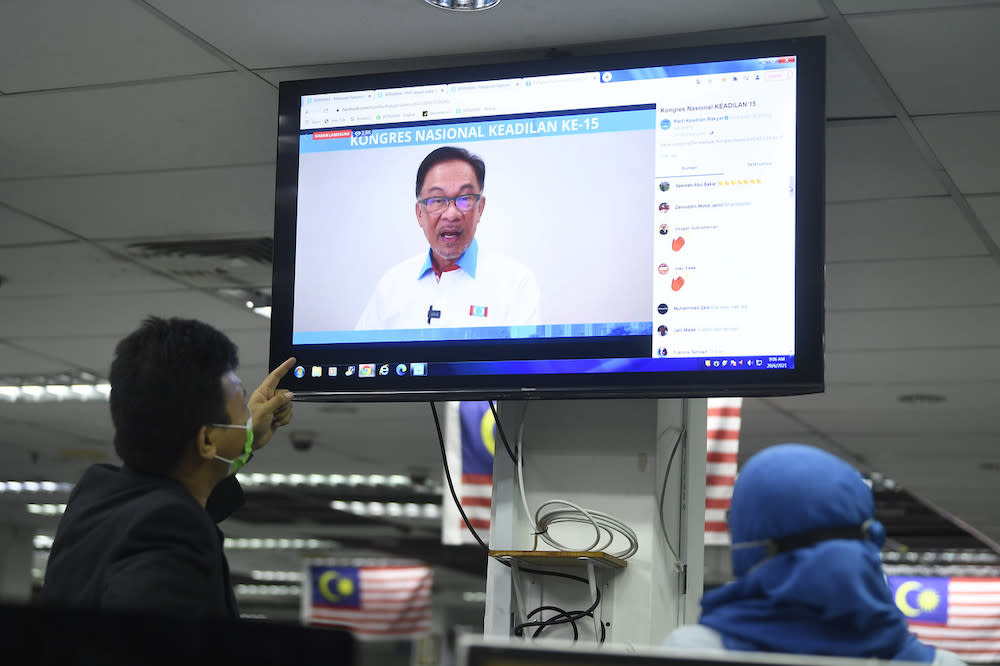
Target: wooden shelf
<point>561,558</point>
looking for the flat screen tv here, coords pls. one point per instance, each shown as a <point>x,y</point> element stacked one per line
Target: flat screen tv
<point>629,225</point>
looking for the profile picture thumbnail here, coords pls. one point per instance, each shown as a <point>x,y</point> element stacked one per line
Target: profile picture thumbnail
<point>661,329</point>
<point>662,308</point>
<point>662,351</point>
<point>664,185</point>
<point>664,229</point>
<point>665,124</point>
<point>663,269</point>
<point>664,207</point>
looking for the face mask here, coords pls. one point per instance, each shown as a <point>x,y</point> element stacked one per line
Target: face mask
<point>238,462</point>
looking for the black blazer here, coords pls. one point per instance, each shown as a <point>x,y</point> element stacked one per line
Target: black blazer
<point>135,542</point>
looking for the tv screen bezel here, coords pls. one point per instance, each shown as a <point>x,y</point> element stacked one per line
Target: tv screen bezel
<point>807,376</point>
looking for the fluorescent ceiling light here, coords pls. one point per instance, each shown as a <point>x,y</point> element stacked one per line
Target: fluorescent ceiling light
<point>280,576</point>
<point>463,5</point>
<point>242,543</point>
<point>35,487</point>
<point>55,392</point>
<point>268,590</point>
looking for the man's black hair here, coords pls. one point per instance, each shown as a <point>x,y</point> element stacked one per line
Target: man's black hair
<point>450,154</point>
<point>166,382</point>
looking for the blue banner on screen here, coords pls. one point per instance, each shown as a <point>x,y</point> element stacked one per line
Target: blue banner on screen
<point>523,127</point>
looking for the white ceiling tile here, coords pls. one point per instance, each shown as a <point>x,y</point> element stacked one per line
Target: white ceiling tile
<point>62,452</point>
<point>925,366</point>
<point>88,419</point>
<point>954,68</point>
<point>258,33</point>
<point>912,283</point>
<point>54,44</point>
<point>987,208</point>
<point>898,229</point>
<point>254,346</point>
<point>760,418</point>
<point>912,329</point>
<point>66,437</point>
<point>905,421</point>
<point>70,268</point>
<point>95,353</point>
<point>115,314</point>
<point>18,229</point>
<point>874,159</point>
<point>966,146</point>
<point>849,91</point>
<point>846,398</point>
<point>753,441</point>
<point>218,120</point>
<point>903,449</point>
<point>187,203</point>
<point>862,6</point>
<point>16,360</point>
<point>76,352</point>
<point>353,68</point>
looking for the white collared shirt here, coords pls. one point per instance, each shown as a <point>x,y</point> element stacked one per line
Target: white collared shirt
<point>485,289</point>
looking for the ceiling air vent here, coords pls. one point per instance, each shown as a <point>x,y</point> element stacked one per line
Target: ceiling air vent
<point>231,266</point>
<point>247,249</point>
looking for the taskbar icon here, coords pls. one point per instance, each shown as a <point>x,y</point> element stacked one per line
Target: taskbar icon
<point>369,370</point>
<point>729,363</point>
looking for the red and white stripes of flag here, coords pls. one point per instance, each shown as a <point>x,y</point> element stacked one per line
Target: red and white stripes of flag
<point>723,445</point>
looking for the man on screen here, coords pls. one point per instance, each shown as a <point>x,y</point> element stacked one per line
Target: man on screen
<point>454,283</point>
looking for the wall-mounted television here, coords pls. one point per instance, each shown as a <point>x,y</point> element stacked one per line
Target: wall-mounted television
<point>633,225</point>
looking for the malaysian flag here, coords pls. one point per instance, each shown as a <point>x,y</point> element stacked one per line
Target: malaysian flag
<point>469,444</point>
<point>373,602</point>
<point>957,614</point>
<point>723,448</point>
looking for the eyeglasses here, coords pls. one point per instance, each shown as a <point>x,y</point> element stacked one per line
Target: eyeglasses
<point>463,202</point>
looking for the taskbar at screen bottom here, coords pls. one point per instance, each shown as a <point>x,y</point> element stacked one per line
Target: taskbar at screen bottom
<point>341,373</point>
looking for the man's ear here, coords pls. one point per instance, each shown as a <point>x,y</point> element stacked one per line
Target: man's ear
<point>204,444</point>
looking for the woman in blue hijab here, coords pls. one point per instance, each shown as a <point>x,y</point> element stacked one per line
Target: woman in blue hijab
<point>809,577</point>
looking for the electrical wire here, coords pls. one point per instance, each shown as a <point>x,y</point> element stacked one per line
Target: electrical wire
<point>561,617</point>
<point>564,616</point>
<point>468,524</point>
<point>451,485</point>
<point>663,492</point>
<point>503,436</point>
<point>519,629</point>
<point>605,525</point>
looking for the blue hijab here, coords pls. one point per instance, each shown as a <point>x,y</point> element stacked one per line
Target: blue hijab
<point>828,598</point>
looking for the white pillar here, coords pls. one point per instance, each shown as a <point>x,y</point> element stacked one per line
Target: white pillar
<point>610,456</point>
